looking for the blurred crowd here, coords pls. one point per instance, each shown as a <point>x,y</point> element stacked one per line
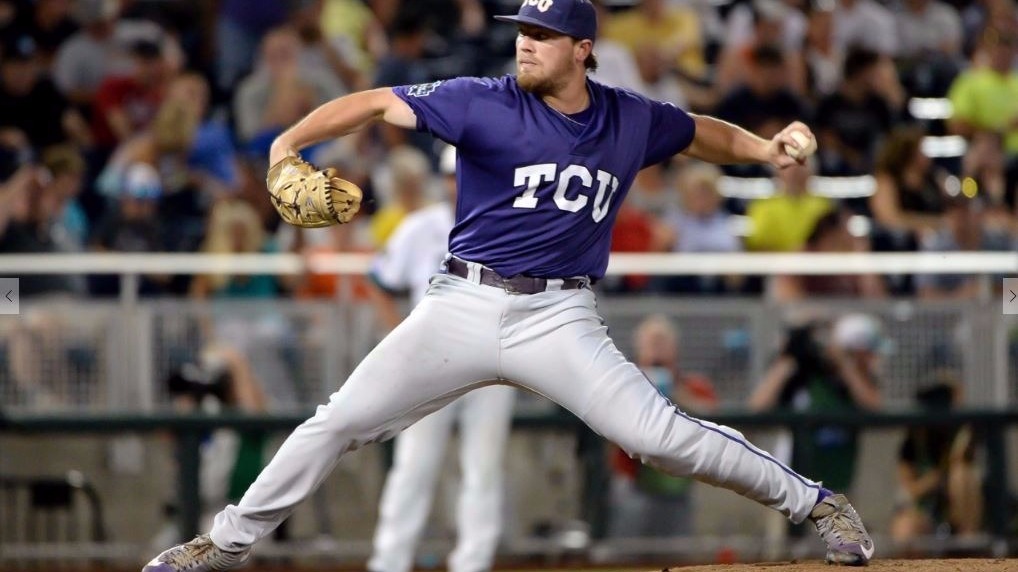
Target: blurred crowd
<point>143,126</point>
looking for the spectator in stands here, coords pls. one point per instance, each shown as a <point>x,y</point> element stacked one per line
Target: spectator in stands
<point>656,80</point>
<point>851,122</point>
<point>984,169</point>
<point>963,228</point>
<point>66,168</point>
<point>30,216</point>
<point>759,23</point>
<point>926,27</point>
<point>866,24</point>
<point>675,30</point>
<point>18,176</point>
<point>938,477</point>
<point>330,55</point>
<point>410,179</point>
<point>206,144</point>
<point>50,24</point>
<point>840,376</point>
<point>985,96</point>
<point>783,222</point>
<point>616,65</point>
<point>102,48</point>
<point>929,46</point>
<point>125,105</point>
<point>644,502</point>
<point>234,228</point>
<point>823,58</point>
<point>980,15</point>
<point>10,19</point>
<point>241,26</point>
<point>700,225</point>
<point>31,103</point>
<point>278,92</point>
<point>84,59</point>
<point>354,24</point>
<point>132,225</point>
<point>909,197</point>
<point>763,103</point>
<point>187,45</point>
<point>188,159</point>
<point>830,234</point>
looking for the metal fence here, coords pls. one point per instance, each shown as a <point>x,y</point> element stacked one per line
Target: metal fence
<point>105,357</point>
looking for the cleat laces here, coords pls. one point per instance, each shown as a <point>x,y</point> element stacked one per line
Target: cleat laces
<point>841,524</point>
<point>201,551</point>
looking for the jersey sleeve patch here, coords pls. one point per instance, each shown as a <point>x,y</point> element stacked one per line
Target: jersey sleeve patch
<point>442,107</point>
<point>422,89</point>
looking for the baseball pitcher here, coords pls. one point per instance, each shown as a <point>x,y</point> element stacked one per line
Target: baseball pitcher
<point>545,157</point>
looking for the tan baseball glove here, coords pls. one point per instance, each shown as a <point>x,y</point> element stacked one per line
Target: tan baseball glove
<point>309,197</point>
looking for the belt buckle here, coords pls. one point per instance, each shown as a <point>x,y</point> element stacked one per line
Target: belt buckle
<point>509,287</point>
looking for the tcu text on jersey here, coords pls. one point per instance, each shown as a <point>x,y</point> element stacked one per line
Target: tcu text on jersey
<point>532,176</point>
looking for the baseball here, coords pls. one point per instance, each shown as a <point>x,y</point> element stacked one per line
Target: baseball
<point>808,146</point>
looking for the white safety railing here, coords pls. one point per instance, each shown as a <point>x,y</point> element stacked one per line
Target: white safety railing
<point>993,263</point>
<point>130,266</point>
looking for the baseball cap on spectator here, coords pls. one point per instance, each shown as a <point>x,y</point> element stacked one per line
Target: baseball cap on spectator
<point>861,332</point>
<point>141,181</point>
<point>576,18</point>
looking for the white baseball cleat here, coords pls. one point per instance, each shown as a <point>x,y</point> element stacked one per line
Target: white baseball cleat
<point>839,525</point>
<point>199,555</point>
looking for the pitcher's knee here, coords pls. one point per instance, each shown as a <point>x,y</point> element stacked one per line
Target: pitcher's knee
<point>356,427</point>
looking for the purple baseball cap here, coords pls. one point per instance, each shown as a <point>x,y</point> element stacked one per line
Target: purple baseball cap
<point>576,18</point>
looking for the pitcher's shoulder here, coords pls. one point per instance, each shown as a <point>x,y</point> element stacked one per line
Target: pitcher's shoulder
<point>622,96</point>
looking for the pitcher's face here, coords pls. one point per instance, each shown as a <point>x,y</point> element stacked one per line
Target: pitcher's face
<point>545,59</point>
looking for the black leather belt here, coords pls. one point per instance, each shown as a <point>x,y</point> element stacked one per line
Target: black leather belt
<point>518,284</point>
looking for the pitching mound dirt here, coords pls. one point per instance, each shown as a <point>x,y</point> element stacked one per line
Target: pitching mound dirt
<point>954,565</point>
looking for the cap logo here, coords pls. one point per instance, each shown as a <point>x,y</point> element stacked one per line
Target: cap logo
<point>542,5</point>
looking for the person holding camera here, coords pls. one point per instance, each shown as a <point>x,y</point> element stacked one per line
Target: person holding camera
<point>219,380</point>
<point>811,375</point>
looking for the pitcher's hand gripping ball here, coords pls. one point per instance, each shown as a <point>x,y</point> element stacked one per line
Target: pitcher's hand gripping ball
<point>807,146</point>
<point>309,197</point>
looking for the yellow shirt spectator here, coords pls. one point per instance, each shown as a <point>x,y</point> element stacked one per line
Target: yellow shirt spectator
<point>782,223</point>
<point>384,223</point>
<point>988,100</point>
<point>677,32</point>
<point>351,19</point>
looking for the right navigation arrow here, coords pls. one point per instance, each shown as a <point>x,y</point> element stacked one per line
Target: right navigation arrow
<point>1013,295</point>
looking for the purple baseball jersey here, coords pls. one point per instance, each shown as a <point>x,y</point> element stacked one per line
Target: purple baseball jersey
<point>538,191</point>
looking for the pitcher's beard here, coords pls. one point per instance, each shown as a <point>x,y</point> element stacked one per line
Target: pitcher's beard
<point>538,87</point>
